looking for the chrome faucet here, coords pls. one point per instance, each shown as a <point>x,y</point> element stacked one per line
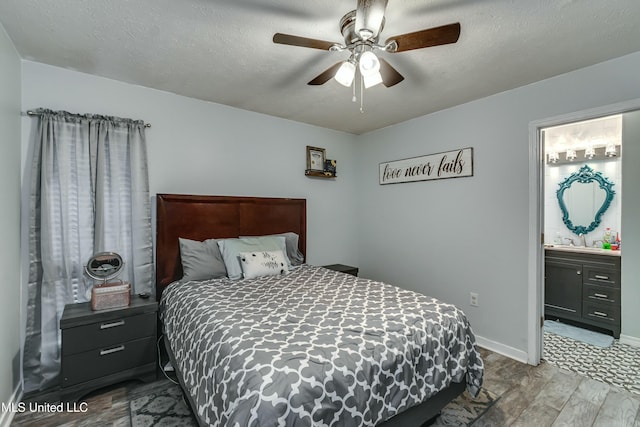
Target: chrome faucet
<point>571,243</point>
<point>583,241</point>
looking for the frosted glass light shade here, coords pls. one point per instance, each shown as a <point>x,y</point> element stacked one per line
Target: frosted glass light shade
<point>589,152</point>
<point>346,73</point>
<point>610,151</point>
<point>369,63</point>
<point>372,79</point>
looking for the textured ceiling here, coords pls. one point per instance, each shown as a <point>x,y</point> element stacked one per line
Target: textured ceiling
<point>221,51</point>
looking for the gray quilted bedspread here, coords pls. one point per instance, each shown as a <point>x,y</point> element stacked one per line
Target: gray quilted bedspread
<point>313,348</point>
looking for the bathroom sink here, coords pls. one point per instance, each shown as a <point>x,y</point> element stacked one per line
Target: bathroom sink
<point>583,249</point>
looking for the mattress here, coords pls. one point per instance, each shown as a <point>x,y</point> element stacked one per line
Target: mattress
<point>314,347</point>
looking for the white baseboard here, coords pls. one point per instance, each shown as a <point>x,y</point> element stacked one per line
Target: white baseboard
<point>505,350</point>
<point>628,339</point>
<point>7,416</point>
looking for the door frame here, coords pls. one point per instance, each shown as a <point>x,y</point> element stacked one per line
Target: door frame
<point>535,290</point>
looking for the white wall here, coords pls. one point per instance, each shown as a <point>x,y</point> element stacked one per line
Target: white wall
<point>9,222</point>
<point>451,237</point>
<point>196,147</point>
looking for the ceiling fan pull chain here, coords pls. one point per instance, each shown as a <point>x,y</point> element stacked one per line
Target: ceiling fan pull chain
<point>354,99</point>
<point>361,95</point>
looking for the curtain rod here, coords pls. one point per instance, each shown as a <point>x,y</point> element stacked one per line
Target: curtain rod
<point>33,113</point>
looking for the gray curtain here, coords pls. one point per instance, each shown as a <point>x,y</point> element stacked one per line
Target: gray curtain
<point>89,192</point>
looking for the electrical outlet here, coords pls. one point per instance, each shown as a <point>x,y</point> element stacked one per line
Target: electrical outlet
<point>473,299</point>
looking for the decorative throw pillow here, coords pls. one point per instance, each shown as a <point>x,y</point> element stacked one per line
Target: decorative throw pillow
<point>263,263</point>
<point>231,249</point>
<point>201,260</point>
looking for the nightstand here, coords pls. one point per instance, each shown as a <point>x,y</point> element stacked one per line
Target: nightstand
<point>343,268</point>
<point>100,348</point>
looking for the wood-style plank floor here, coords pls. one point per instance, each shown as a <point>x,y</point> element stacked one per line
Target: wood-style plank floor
<point>545,395</point>
<point>536,396</point>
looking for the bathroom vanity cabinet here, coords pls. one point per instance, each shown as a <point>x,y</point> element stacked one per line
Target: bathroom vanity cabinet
<point>583,287</point>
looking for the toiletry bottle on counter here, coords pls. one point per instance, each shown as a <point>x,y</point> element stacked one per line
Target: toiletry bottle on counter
<point>606,239</point>
<point>558,239</point>
<point>618,242</point>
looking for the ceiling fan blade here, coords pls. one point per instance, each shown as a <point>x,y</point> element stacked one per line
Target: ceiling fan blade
<point>326,75</point>
<point>437,36</point>
<point>301,41</point>
<point>390,76</point>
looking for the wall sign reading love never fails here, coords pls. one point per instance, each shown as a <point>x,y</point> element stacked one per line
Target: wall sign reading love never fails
<point>452,164</point>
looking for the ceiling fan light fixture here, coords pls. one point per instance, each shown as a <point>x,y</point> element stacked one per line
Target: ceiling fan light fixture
<point>369,63</point>
<point>346,73</point>
<point>369,18</point>
<point>371,79</point>
<point>370,69</point>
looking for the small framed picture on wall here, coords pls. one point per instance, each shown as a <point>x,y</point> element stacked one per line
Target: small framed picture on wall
<point>315,158</point>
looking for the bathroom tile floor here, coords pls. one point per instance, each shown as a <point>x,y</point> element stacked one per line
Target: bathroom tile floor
<point>617,365</point>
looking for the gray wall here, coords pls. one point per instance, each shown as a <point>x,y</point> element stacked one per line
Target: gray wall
<point>631,225</point>
<point>197,147</point>
<point>9,220</point>
<point>451,237</point>
<point>444,238</point>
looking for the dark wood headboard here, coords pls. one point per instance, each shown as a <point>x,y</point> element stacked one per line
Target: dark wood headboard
<point>207,217</point>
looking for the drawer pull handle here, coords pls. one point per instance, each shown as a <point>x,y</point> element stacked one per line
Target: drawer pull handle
<point>599,313</point>
<point>112,324</point>
<point>600,295</point>
<point>560,308</point>
<point>111,350</point>
<point>599,277</point>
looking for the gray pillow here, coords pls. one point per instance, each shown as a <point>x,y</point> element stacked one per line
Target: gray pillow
<point>291,244</point>
<point>294,254</point>
<point>201,260</point>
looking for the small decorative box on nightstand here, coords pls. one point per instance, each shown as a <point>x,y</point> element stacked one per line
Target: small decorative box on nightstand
<point>343,268</point>
<point>100,348</point>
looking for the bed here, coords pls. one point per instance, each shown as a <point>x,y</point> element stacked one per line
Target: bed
<point>309,347</point>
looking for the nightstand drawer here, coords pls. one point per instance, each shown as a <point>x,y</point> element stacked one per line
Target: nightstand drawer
<point>106,360</point>
<point>106,333</point>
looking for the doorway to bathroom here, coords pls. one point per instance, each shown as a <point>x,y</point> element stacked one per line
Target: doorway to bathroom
<point>576,242</point>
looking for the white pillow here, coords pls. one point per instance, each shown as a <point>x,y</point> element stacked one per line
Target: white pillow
<point>231,249</point>
<point>263,263</point>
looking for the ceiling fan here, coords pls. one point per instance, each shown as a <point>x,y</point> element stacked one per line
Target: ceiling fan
<point>361,29</point>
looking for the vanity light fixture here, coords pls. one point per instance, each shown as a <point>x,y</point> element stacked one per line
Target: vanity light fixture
<point>589,152</point>
<point>571,154</point>
<point>610,151</point>
<point>553,157</point>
